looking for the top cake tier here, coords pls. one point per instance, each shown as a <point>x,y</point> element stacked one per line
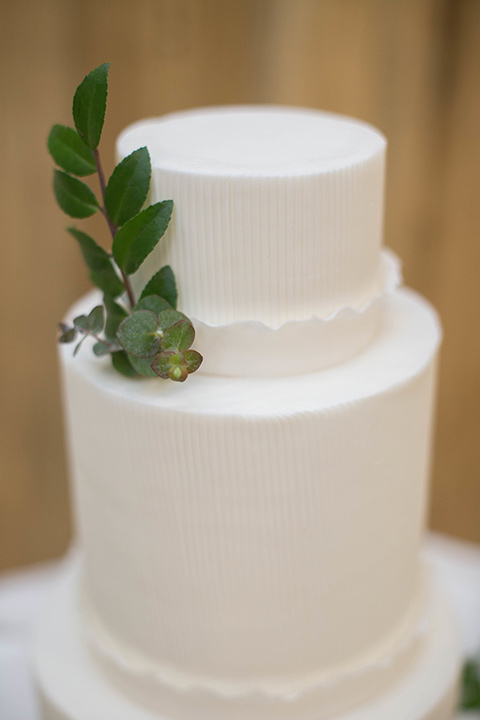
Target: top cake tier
<point>277,211</point>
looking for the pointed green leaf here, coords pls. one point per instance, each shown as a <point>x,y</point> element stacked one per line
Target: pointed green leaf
<point>77,348</point>
<point>107,281</point>
<point>193,360</point>
<point>167,318</point>
<point>73,196</point>
<point>138,334</point>
<point>96,320</point>
<point>162,284</point>
<point>89,105</point>
<point>128,186</point>
<point>115,314</point>
<point>98,260</point>
<point>161,365</point>
<point>95,256</point>
<point>121,363</point>
<point>154,303</point>
<point>137,238</point>
<point>178,337</point>
<point>70,152</point>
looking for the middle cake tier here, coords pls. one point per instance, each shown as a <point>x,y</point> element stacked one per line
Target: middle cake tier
<point>257,538</point>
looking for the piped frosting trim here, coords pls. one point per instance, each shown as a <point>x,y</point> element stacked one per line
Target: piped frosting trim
<point>254,349</point>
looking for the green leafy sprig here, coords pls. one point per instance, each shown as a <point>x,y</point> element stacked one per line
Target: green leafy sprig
<point>470,696</point>
<point>147,336</point>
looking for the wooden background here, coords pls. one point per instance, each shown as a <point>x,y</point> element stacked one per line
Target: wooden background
<point>411,67</point>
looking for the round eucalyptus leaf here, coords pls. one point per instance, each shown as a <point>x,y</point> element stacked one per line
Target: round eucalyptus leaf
<point>80,322</point>
<point>193,360</point>
<point>167,318</point>
<point>138,334</point>
<point>142,366</point>
<point>179,336</point>
<point>161,365</point>
<point>178,373</point>
<point>154,303</point>
<point>101,348</point>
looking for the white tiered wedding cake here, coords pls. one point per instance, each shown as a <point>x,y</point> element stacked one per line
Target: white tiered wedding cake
<point>251,539</point>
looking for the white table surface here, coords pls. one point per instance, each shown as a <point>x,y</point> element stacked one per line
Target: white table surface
<point>23,593</point>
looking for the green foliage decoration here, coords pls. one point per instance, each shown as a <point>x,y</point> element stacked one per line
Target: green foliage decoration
<point>145,336</point>
<point>470,695</point>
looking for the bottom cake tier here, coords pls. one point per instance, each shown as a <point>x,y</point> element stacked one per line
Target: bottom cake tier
<point>71,687</point>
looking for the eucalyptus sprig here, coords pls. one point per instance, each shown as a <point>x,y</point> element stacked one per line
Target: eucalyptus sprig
<point>144,336</point>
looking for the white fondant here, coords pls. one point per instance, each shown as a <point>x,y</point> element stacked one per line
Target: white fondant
<point>229,509</point>
<point>72,688</point>
<point>277,211</point>
<point>253,349</point>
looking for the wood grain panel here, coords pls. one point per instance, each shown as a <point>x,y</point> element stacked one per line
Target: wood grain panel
<point>409,66</point>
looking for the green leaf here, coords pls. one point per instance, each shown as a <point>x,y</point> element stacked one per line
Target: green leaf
<point>128,186</point>
<point>154,303</point>
<point>167,318</point>
<point>193,360</point>
<point>137,238</point>
<point>77,348</point>
<point>94,255</point>
<point>138,335</point>
<point>121,363</point>
<point>70,152</point>
<point>101,348</point>
<point>471,685</point>
<point>107,281</point>
<point>115,314</point>
<point>161,365</point>
<point>178,337</point>
<point>96,320</point>
<point>89,105</point>
<point>98,260</point>
<point>73,196</point>
<point>68,335</point>
<point>142,366</point>
<point>80,322</point>
<point>162,284</point>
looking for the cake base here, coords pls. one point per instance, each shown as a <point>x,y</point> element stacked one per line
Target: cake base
<point>71,687</point>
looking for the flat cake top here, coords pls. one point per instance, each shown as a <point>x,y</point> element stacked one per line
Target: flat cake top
<point>253,141</point>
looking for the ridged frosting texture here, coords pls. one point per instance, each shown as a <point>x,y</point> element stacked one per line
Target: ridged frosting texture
<point>257,532</point>
<point>277,211</point>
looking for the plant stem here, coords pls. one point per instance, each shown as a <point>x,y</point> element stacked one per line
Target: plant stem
<point>113,228</point>
<point>104,342</point>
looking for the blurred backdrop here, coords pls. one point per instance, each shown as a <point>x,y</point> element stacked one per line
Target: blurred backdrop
<point>410,67</point>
